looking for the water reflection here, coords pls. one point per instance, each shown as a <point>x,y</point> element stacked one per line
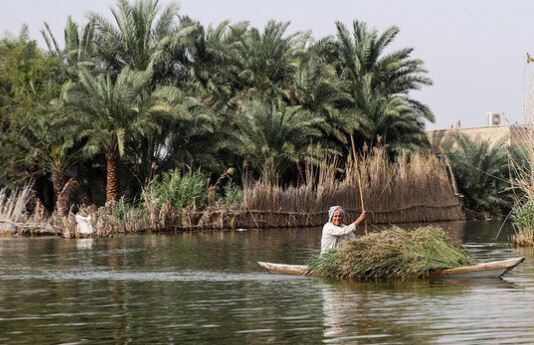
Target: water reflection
<point>84,243</point>
<point>422,312</point>
<point>378,312</point>
<point>197,288</point>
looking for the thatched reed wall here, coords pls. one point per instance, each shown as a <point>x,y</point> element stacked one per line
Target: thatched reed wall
<point>412,189</point>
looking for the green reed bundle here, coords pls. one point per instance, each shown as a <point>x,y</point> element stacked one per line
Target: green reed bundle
<point>391,254</point>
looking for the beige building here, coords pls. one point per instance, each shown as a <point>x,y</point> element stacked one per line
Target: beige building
<point>512,135</point>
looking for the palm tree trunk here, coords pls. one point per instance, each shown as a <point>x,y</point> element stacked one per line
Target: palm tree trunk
<point>37,209</point>
<point>85,193</point>
<point>64,197</point>
<point>112,175</point>
<point>58,181</point>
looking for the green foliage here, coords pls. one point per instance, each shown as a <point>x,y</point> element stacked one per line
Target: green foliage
<point>79,45</point>
<point>124,210</point>
<point>143,35</point>
<point>523,222</point>
<point>181,191</point>
<point>391,254</point>
<point>379,108</point>
<point>33,135</point>
<point>27,75</point>
<point>523,217</point>
<point>233,195</point>
<point>482,174</point>
<point>275,137</point>
<point>151,91</point>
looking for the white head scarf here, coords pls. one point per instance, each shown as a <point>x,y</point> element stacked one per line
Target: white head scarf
<point>333,209</point>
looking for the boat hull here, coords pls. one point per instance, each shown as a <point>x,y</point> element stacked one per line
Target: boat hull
<point>494,269</point>
<point>484,270</point>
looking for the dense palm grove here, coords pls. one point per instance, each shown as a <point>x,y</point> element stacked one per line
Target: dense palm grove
<point>119,103</point>
<point>483,173</point>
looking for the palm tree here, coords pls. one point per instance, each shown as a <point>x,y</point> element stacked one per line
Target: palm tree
<point>388,121</point>
<point>316,89</point>
<point>36,137</point>
<point>374,79</point>
<point>51,145</point>
<point>274,137</point>
<point>212,68</point>
<point>482,173</point>
<point>112,111</point>
<point>183,135</point>
<point>142,35</point>
<point>79,45</point>
<point>266,60</point>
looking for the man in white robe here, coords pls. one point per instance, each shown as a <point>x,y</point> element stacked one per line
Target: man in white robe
<point>335,232</point>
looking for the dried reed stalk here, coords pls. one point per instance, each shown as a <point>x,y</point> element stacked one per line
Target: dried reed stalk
<point>523,170</point>
<point>411,189</point>
<point>15,218</point>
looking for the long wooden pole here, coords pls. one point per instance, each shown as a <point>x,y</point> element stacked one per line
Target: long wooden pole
<point>359,176</point>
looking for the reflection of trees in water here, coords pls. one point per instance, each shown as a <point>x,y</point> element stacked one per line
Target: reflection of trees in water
<point>385,312</point>
<point>239,251</point>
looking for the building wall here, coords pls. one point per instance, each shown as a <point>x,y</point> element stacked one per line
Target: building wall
<point>512,135</point>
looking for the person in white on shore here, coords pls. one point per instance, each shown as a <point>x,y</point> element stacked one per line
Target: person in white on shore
<point>335,232</point>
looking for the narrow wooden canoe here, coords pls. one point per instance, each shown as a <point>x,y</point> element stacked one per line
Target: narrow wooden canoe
<point>493,269</point>
<point>483,270</point>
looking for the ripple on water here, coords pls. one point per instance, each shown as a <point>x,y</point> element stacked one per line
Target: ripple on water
<point>207,288</point>
<point>180,276</point>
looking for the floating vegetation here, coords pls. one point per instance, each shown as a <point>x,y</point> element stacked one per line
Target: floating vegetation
<point>395,253</point>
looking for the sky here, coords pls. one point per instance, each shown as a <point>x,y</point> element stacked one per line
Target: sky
<point>474,51</point>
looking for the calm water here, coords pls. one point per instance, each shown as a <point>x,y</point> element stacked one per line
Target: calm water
<point>206,287</point>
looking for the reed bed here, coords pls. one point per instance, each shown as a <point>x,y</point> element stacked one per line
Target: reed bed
<point>523,169</point>
<point>13,205</point>
<point>391,254</point>
<point>413,188</point>
<point>523,238</point>
<point>523,222</point>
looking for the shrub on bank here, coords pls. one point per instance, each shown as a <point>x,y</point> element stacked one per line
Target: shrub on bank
<point>233,195</point>
<point>187,191</point>
<point>124,210</point>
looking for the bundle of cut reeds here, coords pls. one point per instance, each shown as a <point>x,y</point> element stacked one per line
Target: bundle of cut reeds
<point>391,254</point>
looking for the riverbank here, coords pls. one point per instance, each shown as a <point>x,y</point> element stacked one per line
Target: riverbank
<point>414,189</point>
<point>104,224</point>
